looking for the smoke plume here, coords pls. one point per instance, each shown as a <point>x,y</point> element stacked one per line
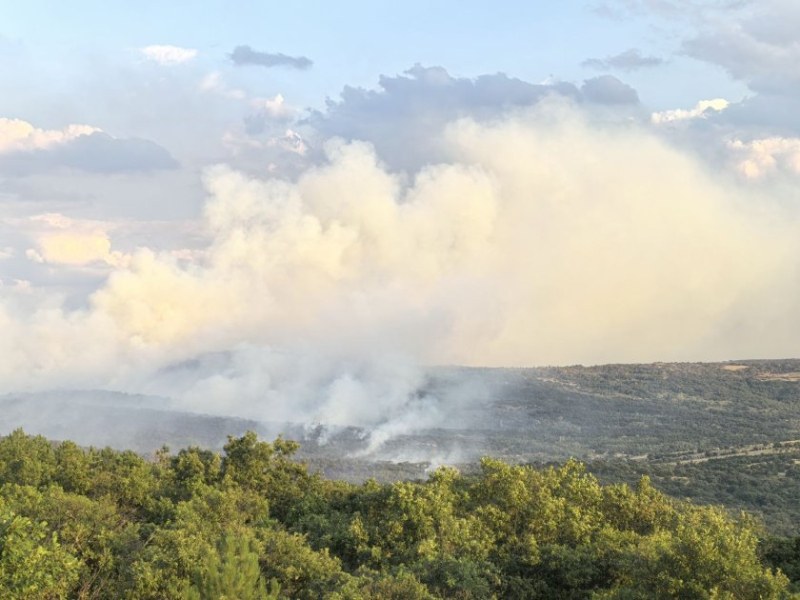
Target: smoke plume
<point>542,239</point>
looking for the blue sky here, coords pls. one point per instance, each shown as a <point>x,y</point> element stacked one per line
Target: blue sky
<point>358,41</point>
<point>506,183</point>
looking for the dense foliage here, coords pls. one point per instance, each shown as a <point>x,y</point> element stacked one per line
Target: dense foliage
<point>253,523</point>
<point>763,484</point>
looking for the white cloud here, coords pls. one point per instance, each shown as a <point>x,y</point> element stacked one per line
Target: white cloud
<point>60,240</point>
<point>290,141</point>
<point>760,158</point>
<point>25,149</point>
<point>700,111</point>
<point>213,82</point>
<point>275,108</point>
<point>17,135</point>
<point>168,55</point>
<point>757,44</point>
<point>77,249</point>
<point>269,115</point>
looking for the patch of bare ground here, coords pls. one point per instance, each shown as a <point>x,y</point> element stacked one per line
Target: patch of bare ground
<point>783,447</point>
<point>791,376</point>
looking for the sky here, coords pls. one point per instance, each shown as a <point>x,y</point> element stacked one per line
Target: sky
<point>301,205</point>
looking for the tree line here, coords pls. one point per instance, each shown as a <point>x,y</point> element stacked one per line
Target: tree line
<point>254,523</point>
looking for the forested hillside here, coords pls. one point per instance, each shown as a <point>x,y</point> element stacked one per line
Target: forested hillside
<point>718,433</point>
<point>253,523</point>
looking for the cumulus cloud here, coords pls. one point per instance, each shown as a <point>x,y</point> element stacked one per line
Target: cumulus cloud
<point>756,43</point>
<point>701,110</point>
<point>763,157</point>
<point>213,82</point>
<point>266,111</point>
<point>168,55</point>
<point>17,135</point>
<point>271,147</point>
<point>245,55</point>
<point>276,107</point>
<point>405,116</point>
<point>26,149</point>
<point>758,46</point>
<point>290,141</point>
<point>64,241</point>
<point>629,60</point>
<point>607,89</point>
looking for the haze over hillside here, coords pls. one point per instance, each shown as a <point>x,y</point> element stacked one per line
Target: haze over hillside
<point>615,411</point>
<point>713,432</point>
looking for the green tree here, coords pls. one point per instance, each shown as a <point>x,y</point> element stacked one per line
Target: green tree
<point>73,468</point>
<point>232,572</point>
<point>303,573</point>
<point>33,565</point>
<point>192,469</point>
<point>26,460</point>
<point>270,470</point>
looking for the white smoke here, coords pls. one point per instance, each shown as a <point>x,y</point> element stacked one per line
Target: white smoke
<point>544,239</point>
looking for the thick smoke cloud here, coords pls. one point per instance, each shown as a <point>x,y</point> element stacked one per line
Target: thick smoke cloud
<point>542,239</point>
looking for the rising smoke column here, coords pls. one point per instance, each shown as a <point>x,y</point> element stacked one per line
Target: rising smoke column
<point>542,239</point>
